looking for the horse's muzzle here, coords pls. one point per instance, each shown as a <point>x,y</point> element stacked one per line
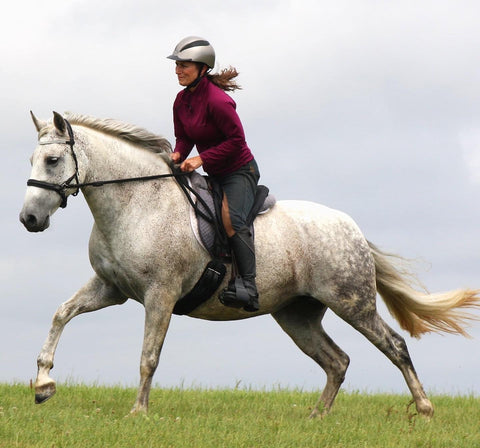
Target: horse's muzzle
<point>32,223</point>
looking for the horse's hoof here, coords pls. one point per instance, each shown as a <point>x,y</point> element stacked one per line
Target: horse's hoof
<point>43,393</point>
<point>139,410</point>
<point>424,408</point>
<point>316,413</point>
<point>426,412</point>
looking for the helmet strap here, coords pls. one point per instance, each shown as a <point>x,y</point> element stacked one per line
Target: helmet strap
<point>199,77</point>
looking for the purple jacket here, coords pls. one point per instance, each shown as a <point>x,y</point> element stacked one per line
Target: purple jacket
<point>207,119</point>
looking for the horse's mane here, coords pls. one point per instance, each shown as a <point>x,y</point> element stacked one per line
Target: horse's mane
<point>124,131</point>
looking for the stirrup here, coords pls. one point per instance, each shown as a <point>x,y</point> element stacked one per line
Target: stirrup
<point>229,298</point>
<point>237,296</point>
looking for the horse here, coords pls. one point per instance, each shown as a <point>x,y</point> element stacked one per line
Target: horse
<point>310,258</point>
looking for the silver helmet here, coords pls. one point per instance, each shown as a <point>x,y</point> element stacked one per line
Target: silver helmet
<point>194,49</point>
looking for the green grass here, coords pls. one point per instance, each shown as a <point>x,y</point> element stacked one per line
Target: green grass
<point>85,416</point>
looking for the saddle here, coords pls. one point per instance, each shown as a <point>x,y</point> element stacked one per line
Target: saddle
<point>206,215</point>
<point>206,196</point>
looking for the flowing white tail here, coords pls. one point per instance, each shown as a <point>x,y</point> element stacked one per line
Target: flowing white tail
<point>420,312</point>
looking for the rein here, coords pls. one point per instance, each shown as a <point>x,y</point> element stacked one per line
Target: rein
<point>63,187</point>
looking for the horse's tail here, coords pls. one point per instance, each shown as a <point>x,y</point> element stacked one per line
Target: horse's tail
<point>421,312</point>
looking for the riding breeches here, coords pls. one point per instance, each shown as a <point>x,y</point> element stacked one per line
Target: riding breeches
<point>239,189</point>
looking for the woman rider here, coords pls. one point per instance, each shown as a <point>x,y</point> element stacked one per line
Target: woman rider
<point>205,117</point>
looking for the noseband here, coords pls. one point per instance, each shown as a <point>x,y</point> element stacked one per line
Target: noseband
<point>61,189</point>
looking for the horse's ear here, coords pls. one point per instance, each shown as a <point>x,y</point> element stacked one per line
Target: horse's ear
<point>59,122</point>
<point>39,124</point>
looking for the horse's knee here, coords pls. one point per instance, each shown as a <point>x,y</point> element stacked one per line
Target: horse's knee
<point>61,316</point>
<point>148,365</point>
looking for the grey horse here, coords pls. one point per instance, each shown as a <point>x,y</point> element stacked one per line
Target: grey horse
<point>142,247</point>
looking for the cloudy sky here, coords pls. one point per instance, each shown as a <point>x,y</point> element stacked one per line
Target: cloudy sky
<point>366,106</point>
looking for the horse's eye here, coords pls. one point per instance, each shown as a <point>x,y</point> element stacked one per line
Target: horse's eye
<point>52,160</point>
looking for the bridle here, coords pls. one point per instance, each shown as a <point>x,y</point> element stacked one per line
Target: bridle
<point>62,188</point>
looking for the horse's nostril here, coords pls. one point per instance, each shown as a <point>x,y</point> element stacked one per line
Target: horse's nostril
<point>31,220</point>
<point>28,220</point>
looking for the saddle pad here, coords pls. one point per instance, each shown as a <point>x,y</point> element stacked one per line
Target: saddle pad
<point>203,230</point>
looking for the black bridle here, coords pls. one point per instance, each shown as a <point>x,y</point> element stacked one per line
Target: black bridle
<point>62,188</point>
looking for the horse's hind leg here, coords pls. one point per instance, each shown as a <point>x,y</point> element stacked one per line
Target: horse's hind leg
<point>395,348</point>
<point>368,322</point>
<point>302,321</point>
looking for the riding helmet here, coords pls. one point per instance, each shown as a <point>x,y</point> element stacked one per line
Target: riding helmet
<point>194,49</point>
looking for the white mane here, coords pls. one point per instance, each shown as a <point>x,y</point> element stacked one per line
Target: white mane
<point>124,131</point>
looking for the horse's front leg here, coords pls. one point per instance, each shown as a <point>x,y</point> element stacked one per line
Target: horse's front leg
<point>91,297</point>
<point>158,312</point>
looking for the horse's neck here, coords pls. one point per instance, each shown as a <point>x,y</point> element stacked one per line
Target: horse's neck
<point>109,158</point>
<point>117,159</point>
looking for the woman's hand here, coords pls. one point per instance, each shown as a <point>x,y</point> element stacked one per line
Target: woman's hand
<point>175,156</point>
<point>191,164</point>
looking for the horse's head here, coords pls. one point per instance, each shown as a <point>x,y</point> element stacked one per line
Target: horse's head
<point>54,167</point>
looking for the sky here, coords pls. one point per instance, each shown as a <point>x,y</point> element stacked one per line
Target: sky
<point>369,107</point>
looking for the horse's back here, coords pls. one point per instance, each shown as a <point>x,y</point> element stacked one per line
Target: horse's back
<point>298,217</point>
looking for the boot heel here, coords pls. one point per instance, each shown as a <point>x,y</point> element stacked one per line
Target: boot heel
<point>253,305</point>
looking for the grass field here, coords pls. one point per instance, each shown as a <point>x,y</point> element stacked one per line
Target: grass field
<point>85,416</point>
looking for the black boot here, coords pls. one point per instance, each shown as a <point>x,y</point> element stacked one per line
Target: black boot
<point>242,292</point>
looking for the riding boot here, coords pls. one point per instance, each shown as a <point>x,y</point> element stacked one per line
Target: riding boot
<point>242,292</point>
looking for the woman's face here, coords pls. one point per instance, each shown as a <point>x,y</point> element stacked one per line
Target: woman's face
<point>187,72</point>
